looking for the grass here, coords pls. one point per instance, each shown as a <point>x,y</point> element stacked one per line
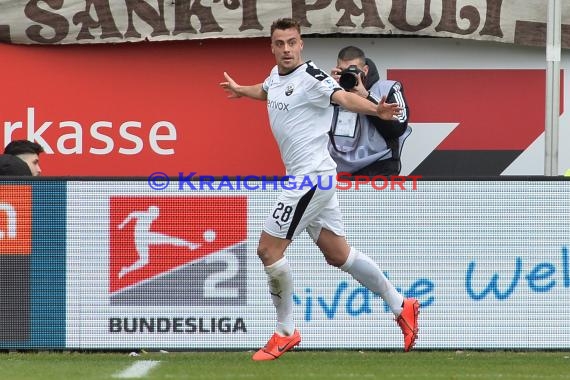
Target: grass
<point>502,365</point>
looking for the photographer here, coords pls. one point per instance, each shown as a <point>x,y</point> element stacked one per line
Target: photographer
<point>362,144</point>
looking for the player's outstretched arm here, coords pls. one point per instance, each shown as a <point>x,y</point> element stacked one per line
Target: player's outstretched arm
<point>358,104</point>
<point>235,90</point>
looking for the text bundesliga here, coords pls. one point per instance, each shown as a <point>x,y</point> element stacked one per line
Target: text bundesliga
<point>189,325</point>
<point>344,181</point>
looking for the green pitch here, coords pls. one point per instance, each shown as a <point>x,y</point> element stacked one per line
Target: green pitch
<point>293,365</point>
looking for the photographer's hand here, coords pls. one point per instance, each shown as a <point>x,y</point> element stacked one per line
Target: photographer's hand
<point>359,89</point>
<point>335,73</point>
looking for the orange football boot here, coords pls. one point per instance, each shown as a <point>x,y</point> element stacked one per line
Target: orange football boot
<point>277,346</point>
<point>408,322</point>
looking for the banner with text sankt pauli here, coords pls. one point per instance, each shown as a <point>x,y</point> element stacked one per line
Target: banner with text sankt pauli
<point>105,21</point>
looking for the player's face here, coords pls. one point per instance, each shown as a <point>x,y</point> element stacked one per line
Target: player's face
<point>286,45</point>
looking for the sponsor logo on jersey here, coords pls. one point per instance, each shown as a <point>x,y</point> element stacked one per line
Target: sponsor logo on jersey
<point>278,105</point>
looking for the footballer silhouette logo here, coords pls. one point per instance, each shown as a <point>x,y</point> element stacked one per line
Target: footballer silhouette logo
<point>145,238</point>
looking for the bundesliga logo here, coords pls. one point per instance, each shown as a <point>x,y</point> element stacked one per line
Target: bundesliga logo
<point>178,250</point>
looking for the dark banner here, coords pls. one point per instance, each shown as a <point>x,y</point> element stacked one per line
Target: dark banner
<point>101,21</point>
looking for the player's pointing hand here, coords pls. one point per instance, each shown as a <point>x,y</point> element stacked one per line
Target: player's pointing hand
<point>230,86</point>
<point>388,111</point>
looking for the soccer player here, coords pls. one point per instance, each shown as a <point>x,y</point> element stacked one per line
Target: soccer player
<point>299,97</point>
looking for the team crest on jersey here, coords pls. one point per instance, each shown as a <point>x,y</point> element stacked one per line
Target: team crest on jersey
<point>330,83</point>
<point>289,90</point>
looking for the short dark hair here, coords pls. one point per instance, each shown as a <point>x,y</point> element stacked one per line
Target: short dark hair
<point>17,147</point>
<point>284,24</point>
<point>351,52</point>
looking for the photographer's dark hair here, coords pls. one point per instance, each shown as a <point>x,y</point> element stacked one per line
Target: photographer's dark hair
<point>352,52</point>
<point>17,147</point>
<point>284,24</point>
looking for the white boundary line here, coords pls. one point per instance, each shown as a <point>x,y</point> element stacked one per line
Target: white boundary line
<point>137,370</point>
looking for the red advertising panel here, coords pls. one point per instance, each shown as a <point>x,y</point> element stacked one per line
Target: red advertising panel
<point>499,114</point>
<point>134,109</point>
<point>495,109</point>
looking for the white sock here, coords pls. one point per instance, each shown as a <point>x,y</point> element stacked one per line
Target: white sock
<point>369,275</point>
<point>280,280</point>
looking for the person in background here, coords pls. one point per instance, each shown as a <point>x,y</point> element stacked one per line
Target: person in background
<point>13,166</point>
<point>364,144</point>
<point>27,151</point>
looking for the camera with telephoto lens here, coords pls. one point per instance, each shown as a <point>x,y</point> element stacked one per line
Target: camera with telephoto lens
<point>349,77</point>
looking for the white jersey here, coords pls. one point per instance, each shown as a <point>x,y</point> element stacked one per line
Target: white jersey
<point>300,114</point>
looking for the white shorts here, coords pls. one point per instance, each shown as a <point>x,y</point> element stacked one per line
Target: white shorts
<point>306,207</point>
